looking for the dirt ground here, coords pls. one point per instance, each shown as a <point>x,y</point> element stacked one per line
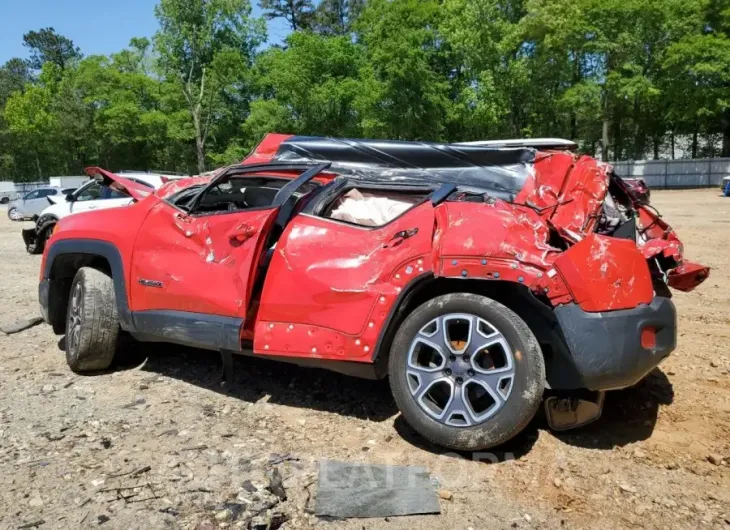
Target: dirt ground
<point>160,443</point>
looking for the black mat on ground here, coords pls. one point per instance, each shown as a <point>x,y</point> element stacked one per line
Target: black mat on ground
<point>366,490</point>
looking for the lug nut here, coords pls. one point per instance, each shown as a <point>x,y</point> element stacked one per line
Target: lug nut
<point>452,358</point>
<point>459,380</point>
<point>466,358</point>
<point>447,371</point>
<point>471,373</point>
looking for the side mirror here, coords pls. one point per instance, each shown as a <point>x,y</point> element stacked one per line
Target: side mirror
<point>70,197</point>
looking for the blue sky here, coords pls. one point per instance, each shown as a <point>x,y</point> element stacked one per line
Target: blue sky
<point>96,26</point>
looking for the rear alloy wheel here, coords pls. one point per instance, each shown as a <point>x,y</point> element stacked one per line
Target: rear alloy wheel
<point>466,372</point>
<point>14,214</point>
<point>92,325</point>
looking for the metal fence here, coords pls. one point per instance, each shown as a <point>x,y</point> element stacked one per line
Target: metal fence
<point>658,174</point>
<point>21,188</point>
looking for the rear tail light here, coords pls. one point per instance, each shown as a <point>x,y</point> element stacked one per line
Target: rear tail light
<point>164,180</point>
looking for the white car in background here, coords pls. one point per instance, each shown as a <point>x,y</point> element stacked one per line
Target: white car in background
<point>97,194</point>
<point>30,205</point>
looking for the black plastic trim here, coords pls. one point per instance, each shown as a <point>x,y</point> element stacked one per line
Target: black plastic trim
<point>289,189</point>
<point>350,368</point>
<point>107,251</point>
<point>605,348</point>
<point>198,330</point>
<point>400,302</point>
<point>441,194</point>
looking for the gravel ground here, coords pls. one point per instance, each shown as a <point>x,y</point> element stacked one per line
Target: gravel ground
<point>160,443</point>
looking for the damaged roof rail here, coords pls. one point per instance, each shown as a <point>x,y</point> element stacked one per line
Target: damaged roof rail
<point>538,143</point>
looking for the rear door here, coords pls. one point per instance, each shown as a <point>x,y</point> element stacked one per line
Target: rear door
<point>37,203</point>
<point>331,284</point>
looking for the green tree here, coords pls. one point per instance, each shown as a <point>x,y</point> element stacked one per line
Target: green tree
<point>404,90</point>
<point>30,119</point>
<point>14,75</point>
<point>47,46</point>
<point>336,17</point>
<point>297,13</point>
<point>206,46</point>
<point>310,87</point>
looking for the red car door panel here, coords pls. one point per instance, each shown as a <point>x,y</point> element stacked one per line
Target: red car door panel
<point>330,284</point>
<point>202,264</point>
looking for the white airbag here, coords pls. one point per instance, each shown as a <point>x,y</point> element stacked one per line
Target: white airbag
<point>371,210</point>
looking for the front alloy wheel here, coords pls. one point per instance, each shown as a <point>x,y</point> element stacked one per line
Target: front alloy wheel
<point>466,372</point>
<point>14,214</point>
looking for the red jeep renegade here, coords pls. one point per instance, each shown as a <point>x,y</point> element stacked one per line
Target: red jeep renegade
<point>474,276</point>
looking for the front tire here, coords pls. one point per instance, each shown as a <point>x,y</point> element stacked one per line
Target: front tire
<point>92,324</point>
<point>14,214</point>
<point>466,372</point>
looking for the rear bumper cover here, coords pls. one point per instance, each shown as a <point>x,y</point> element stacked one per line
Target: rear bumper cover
<point>605,348</point>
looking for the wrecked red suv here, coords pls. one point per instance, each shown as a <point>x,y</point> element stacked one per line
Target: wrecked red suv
<point>474,276</point>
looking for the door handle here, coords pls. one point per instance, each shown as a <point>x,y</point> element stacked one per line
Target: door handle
<point>241,233</point>
<point>182,217</point>
<point>401,236</point>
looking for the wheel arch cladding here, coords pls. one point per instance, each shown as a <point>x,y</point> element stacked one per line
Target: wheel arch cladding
<point>67,256</point>
<point>533,311</point>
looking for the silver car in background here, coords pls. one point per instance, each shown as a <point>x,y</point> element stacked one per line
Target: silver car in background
<point>34,202</point>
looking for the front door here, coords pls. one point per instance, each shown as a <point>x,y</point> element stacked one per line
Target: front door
<point>197,263</point>
<point>201,257</point>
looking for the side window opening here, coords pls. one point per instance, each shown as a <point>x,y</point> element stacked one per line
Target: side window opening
<point>90,193</point>
<point>240,193</point>
<point>365,206</point>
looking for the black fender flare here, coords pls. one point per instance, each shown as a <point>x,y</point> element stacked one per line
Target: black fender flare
<point>96,248</point>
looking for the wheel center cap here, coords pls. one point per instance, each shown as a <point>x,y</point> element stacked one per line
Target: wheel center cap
<point>459,368</point>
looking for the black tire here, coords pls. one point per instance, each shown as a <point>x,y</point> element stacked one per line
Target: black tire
<point>4,200</point>
<point>528,381</point>
<point>45,228</point>
<point>92,324</point>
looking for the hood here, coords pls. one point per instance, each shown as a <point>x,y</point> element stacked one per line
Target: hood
<point>118,183</point>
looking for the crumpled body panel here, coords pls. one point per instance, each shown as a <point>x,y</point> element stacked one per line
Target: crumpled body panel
<point>606,274</point>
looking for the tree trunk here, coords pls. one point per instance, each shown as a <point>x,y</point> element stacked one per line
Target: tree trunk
<point>200,149</point>
<point>656,148</point>
<point>573,126</point>
<point>604,140</point>
<point>38,165</point>
<point>726,135</point>
<point>672,136</point>
<point>199,141</point>
<point>695,135</point>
